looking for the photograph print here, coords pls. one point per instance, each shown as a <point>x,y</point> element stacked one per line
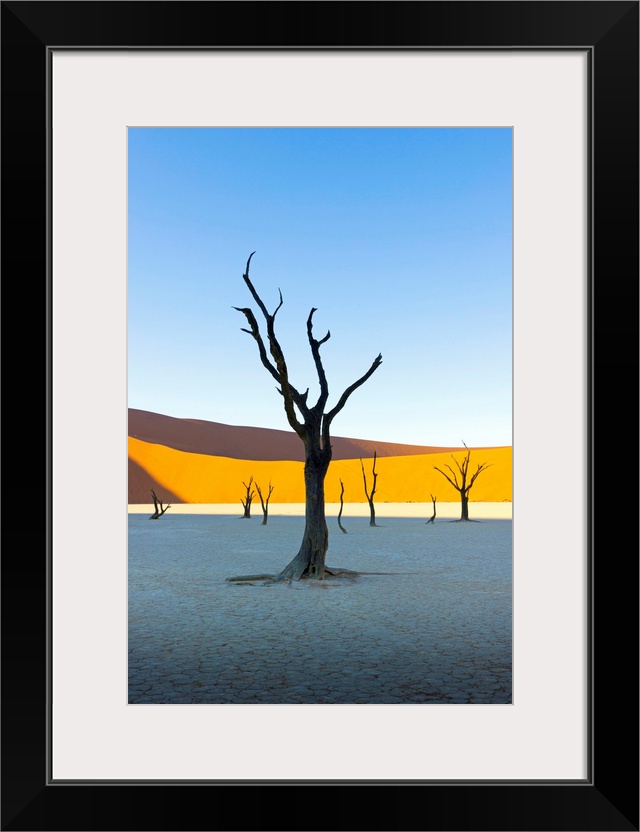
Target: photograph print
<point>320,415</point>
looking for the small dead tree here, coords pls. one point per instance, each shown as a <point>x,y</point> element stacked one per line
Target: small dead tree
<point>432,519</point>
<point>312,423</point>
<point>246,503</point>
<point>159,509</point>
<point>264,502</point>
<point>342,528</point>
<point>371,495</point>
<point>464,486</point>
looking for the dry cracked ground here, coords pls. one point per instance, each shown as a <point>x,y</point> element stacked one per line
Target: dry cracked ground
<point>434,625</point>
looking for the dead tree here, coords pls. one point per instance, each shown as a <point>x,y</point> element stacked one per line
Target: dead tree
<point>313,426</point>
<point>464,486</point>
<point>370,496</point>
<point>159,509</point>
<point>342,528</point>
<point>264,502</point>
<point>246,503</point>
<point>432,519</point>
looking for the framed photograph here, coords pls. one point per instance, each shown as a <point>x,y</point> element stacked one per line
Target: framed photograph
<point>99,100</point>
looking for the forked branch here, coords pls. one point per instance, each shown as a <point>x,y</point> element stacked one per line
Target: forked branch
<point>329,417</point>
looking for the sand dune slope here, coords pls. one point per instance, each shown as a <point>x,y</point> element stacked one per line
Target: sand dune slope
<point>200,476</point>
<point>239,442</point>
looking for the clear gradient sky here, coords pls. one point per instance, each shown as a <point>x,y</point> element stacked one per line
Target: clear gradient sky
<point>401,237</point>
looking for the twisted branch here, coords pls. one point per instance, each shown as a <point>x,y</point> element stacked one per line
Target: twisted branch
<point>329,417</point>
<point>315,352</point>
<point>279,371</point>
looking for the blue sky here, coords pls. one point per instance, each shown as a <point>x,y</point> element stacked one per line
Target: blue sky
<point>400,237</point>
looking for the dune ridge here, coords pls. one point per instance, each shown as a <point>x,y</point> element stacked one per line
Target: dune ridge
<point>201,477</point>
<point>243,442</point>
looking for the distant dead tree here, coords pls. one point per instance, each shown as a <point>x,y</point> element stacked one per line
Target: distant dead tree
<point>432,519</point>
<point>464,486</point>
<point>159,510</point>
<point>371,495</point>
<point>248,500</point>
<point>264,502</point>
<point>342,528</point>
<point>312,423</point>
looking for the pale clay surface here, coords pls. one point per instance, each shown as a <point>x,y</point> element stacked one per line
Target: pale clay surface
<point>437,629</point>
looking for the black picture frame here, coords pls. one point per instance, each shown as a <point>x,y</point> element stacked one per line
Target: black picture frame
<point>608,798</point>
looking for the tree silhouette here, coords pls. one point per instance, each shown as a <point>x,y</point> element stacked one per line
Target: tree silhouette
<point>264,502</point>
<point>246,503</point>
<point>342,528</point>
<point>432,519</point>
<point>464,486</point>
<point>370,495</point>
<point>158,508</point>
<point>313,426</point>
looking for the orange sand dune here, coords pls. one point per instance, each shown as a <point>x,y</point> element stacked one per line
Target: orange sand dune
<point>201,437</point>
<point>178,476</point>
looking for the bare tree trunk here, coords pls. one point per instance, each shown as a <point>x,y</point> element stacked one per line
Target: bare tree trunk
<point>372,514</point>
<point>464,486</point>
<point>246,503</point>
<point>312,423</point>
<point>370,496</point>
<point>342,528</point>
<point>264,503</point>
<point>310,559</point>
<point>432,519</point>
<point>158,508</point>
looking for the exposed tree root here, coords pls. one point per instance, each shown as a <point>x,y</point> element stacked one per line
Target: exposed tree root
<point>239,578</point>
<point>330,572</point>
<point>335,572</point>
